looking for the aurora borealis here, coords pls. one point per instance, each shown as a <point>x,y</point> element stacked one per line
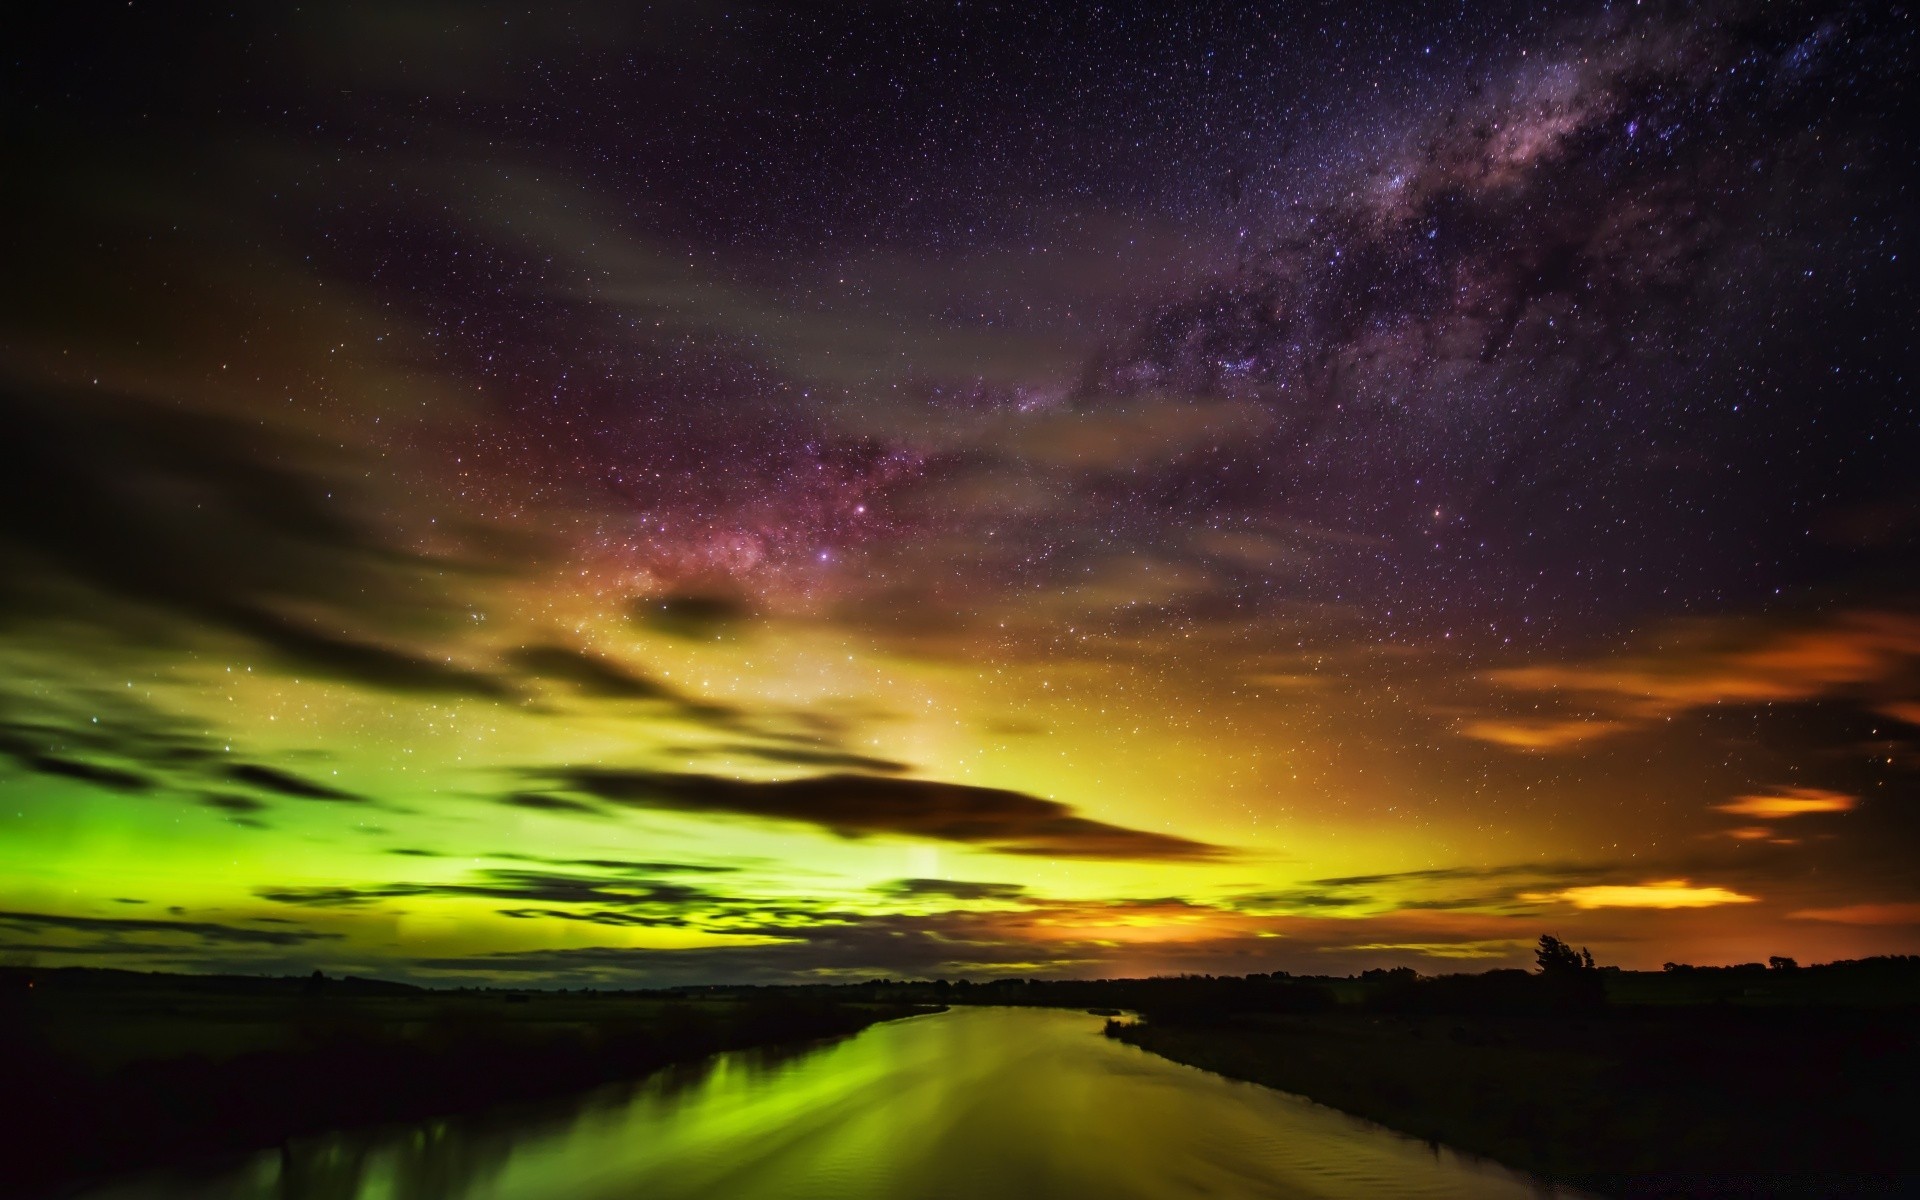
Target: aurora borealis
<point>703,493</point>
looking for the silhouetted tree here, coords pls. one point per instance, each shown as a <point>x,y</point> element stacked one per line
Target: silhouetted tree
<point>1567,977</point>
<point>1781,962</point>
<point>1557,958</point>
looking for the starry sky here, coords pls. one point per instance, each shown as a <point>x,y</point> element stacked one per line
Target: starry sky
<point>622,494</point>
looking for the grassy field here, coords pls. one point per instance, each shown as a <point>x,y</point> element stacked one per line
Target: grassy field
<point>1674,1101</point>
<point>106,1075</point>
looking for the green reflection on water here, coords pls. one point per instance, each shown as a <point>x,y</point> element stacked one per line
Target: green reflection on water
<point>973,1103</point>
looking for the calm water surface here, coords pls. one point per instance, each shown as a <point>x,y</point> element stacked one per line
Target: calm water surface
<point>998,1102</point>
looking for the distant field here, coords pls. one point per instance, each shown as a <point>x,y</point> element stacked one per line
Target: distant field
<point>1816,986</point>
<point>106,1031</point>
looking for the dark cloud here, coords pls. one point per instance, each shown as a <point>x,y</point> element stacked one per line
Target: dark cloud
<point>1296,899</point>
<point>860,805</point>
<point>198,517</point>
<point>504,884</point>
<point>945,944</point>
<point>541,802</point>
<point>1566,871</point>
<point>976,944</point>
<point>953,889</point>
<point>116,778</point>
<point>66,734</point>
<point>202,930</point>
<point>699,618</point>
<point>627,866</point>
<point>810,756</point>
<point>602,678</point>
<point>285,783</point>
<point>343,896</point>
<point>229,802</point>
<point>356,660</point>
<point>599,917</point>
<point>588,673</point>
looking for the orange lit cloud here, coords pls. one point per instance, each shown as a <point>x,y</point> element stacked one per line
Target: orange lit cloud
<point>1864,914</point>
<point>1129,923</point>
<point>1852,650</point>
<point>1670,893</point>
<point>1903,710</point>
<point>1540,734</point>
<point>1787,802</point>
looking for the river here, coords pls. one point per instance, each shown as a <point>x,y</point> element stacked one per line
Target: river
<point>1003,1103</point>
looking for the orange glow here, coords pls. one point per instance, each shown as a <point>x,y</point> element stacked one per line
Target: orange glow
<point>1540,734</point>
<point>1786,802</point>
<point>1857,648</point>
<point>1903,710</point>
<point>1864,914</point>
<point>1670,893</point>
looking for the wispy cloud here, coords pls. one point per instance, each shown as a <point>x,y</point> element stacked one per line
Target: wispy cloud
<point>1857,650</point>
<point>1783,802</point>
<point>1670,893</point>
<point>286,783</point>
<point>952,889</point>
<point>998,819</point>
<point>1863,914</point>
<point>204,931</point>
<point>1540,733</point>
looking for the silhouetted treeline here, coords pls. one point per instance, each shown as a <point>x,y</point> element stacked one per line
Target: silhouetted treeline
<point>1574,983</point>
<point>109,979</point>
<point>1564,980</point>
<point>1890,965</point>
<point>1190,997</point>
<point>1509,991</point>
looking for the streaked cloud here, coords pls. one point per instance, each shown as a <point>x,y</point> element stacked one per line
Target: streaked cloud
<point>1444,950</point>
<point>1540,733</point>
<point>1856,650</point>
<point>953,889</point>
<point>1781,803</point>
<point>1670,893</point>
<point>1863,914</point>
<point>114,928</point>
<point>851,805</point>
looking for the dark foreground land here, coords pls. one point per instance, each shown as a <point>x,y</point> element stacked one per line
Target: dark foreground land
<point>1709,1082</point>
<point>1699,1086</point>
<point>1763,1080</point>
<point>106,1071</point>
<point>1640,1104</point>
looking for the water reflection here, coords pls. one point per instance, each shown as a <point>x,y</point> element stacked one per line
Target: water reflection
<point>973,1103</point>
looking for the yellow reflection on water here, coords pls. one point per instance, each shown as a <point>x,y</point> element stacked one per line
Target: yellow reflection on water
<point>968,1104</point>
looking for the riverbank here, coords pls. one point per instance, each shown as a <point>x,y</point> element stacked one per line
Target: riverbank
<point>1688,1102</point>
<point>978,1103</point>
<point>105,1076</point>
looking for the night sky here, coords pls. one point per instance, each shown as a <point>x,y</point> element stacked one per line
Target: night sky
<point>708,493</point>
